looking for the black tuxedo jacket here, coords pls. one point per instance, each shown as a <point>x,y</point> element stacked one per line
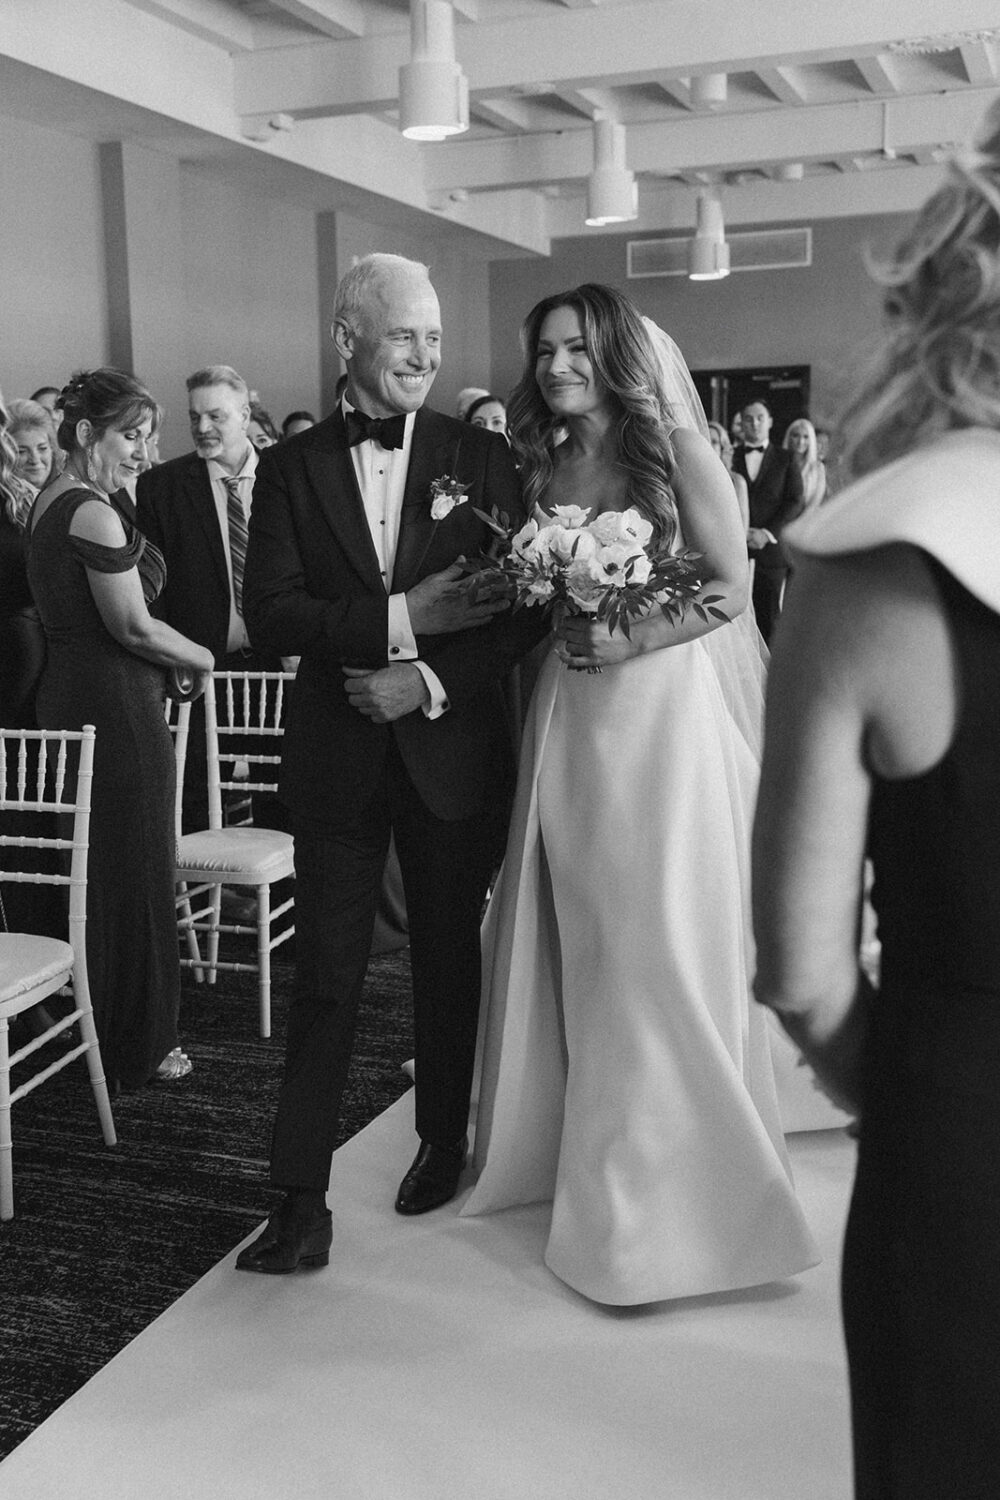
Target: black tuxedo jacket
<point>776,497</point>
<point>312,588</point>
<point>175,509</point>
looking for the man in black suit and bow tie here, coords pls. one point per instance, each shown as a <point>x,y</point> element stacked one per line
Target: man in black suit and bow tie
<point>774,483</point>
<point>396,725</point>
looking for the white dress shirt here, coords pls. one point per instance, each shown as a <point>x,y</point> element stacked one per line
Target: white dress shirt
<point>381,474</point>
<point>237,637</point>
<point>753,458</point>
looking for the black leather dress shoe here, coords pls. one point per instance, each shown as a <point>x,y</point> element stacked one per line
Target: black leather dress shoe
<point>287,1241</point>
<point>432,1178</point>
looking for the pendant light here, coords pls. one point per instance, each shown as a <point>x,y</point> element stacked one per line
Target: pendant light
<point>708,253</point>
<point>612,195</point>
<point>433,90</point>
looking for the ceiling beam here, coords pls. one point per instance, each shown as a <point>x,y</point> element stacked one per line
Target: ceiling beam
<point>505,114</point>
<point>593,104</point>
<point>786,84</point>
<point>335,18</point>
<point>879,73</point>
<point>677,90</point>
<point>669,207</point>
<point>351,77</point>
<point>979,59</point>
<point>210,20</point>
<point>705,142</point>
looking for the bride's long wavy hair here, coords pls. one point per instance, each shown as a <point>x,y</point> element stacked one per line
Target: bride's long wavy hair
<point>625,363</point>
<point>939,367</point>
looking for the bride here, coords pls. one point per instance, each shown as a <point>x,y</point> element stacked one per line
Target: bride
<point>626,1075</point>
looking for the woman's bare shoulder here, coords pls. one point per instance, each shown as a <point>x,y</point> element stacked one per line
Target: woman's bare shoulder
<point>96,521</point>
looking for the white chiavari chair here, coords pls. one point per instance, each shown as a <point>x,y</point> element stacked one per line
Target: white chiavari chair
<point>38,775</point>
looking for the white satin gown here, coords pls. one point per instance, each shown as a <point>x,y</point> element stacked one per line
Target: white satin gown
<point>625,1073</point>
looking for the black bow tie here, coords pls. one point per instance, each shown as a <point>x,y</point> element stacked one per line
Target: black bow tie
<point>385,430</point>
<point>754,447</point>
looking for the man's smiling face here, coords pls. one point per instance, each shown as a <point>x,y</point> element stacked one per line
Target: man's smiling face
<point>394,352</point>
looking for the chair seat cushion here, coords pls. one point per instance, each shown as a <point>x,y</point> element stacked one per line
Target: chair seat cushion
<point>247,856</point>
<point>27,961</point>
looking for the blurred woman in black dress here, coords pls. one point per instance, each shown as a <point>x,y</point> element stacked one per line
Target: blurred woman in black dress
<point>883,737</point>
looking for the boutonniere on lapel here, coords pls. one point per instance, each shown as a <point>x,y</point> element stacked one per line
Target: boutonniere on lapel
<point>446,493</point>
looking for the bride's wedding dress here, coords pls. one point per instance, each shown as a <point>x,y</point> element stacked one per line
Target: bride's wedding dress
<point>626,1074</point>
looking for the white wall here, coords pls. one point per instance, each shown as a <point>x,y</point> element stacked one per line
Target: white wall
<point>251,295</point>
<point>203,270</point>
<point>461,282</point>
<point>53,312</point>
<point>826,315</point>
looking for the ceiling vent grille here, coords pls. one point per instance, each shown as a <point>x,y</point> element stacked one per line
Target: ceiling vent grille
<point>753,250</point>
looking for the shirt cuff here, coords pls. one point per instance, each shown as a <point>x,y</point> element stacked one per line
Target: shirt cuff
<point>439,699</point>
<point>402,641</point>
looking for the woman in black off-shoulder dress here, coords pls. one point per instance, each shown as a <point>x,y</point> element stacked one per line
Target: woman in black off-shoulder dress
<point>92,575</point>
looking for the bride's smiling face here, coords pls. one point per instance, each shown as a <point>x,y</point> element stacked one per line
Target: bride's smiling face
<point>563,370</point>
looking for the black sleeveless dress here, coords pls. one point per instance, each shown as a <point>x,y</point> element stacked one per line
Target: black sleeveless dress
<point>921,1281</point>
<point>90,679</point>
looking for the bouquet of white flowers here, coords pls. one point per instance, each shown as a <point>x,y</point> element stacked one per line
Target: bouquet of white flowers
<point>601,568</point>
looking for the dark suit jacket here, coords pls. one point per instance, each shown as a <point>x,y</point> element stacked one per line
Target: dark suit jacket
<point>776,498</point>
<point>312,588</point>
<point>175,509</point>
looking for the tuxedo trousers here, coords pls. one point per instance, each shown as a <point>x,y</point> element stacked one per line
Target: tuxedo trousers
<point>446,869</point>
<point>768,586</point>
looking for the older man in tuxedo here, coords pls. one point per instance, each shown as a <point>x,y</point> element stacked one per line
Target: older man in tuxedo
<point>774,483</point>
<point>396,726</point>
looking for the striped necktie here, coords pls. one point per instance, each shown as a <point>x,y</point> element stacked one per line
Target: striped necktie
<point>237,536</point>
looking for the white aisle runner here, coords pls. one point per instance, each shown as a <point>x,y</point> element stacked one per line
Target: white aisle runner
<point>437,1359</point>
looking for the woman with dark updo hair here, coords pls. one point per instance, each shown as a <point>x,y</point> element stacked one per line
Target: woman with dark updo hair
<point>93,576</point>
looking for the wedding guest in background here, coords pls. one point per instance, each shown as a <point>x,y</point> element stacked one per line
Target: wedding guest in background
<point>24,907</point>
<point>48,396</point>
<point>195,509</point>
<point>466,396</point>
<point>774,482</point>
<point>883,737</point>
<point>34,434</point>
<point>22,643</point>
<point>626,1074</point>
<point>297,421</point>
<point>261,429</point>
<point>395,726</point>
<point>800,442</point>
<point>488,412</point>
<point>720,441</point>
<point>92,575</point>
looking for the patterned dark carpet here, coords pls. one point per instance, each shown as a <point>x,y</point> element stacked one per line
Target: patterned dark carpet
<point>104,1240</point>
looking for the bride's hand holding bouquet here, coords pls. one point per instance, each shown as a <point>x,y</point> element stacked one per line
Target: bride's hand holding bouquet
<point>600,576</point>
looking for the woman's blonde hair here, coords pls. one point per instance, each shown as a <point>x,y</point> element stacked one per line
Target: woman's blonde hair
<point>803,424</point>
<point>939,368</point>
<point>15,495</point>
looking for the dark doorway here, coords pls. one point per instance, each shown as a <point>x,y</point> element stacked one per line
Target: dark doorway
<point>785,388</point>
